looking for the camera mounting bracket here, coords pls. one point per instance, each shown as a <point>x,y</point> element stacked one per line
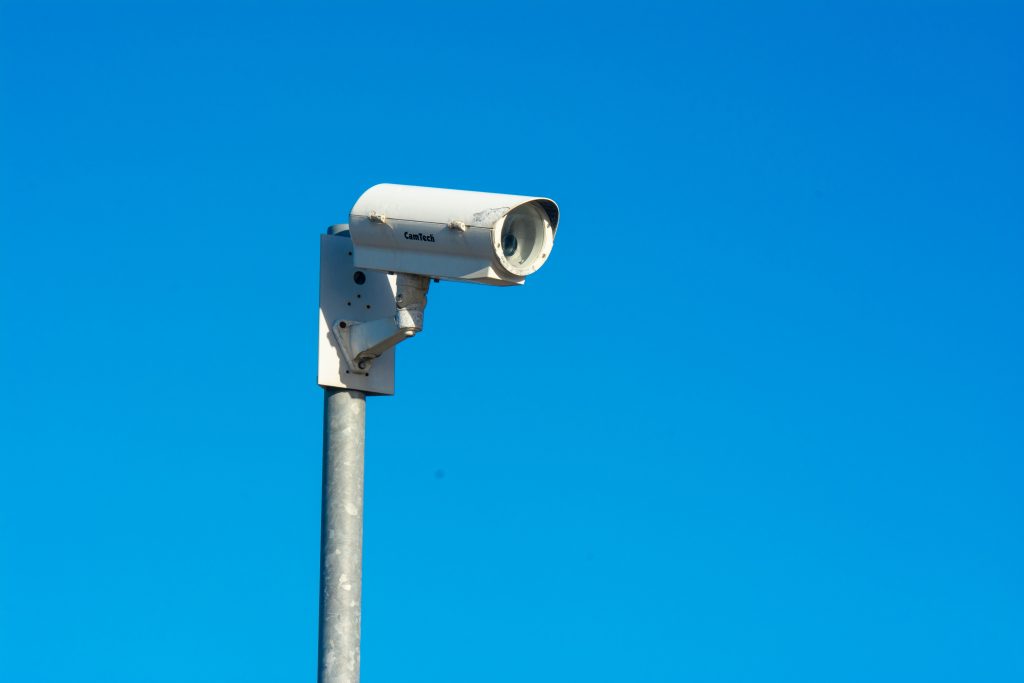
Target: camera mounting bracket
<point>362,342</point>
<point>363,315</point>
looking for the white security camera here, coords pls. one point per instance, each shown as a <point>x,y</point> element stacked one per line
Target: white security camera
<point>495,239</point>
<point>375,272</point>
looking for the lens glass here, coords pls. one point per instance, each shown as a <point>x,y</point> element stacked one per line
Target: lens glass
<point>522,235</point>
<point>509,244</point>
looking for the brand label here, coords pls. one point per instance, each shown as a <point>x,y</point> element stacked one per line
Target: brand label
<point>419,237</point>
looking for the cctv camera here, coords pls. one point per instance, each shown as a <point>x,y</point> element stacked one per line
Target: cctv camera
<point>375,272</point>
<point>494,239</point>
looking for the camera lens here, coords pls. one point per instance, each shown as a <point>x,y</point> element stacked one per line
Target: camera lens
<point>509,244</point>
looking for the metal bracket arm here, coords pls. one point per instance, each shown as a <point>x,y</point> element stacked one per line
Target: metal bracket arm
<point>361,342</point>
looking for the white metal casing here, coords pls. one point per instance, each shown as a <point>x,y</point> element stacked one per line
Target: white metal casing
<point>440,233</point>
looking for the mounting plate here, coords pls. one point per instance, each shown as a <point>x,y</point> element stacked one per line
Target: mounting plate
<point>347,293</point>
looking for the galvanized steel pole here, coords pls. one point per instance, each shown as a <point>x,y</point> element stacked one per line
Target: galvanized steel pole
<point>341,536</point>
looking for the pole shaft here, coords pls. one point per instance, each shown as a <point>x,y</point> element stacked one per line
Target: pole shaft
<point>341,536</point>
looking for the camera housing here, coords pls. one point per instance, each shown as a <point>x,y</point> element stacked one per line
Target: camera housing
<point>483,237</point>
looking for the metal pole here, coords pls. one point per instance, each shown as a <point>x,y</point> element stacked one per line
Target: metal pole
<point>341,536</point>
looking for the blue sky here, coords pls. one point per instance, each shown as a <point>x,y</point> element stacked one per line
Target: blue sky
<point>759,418</point>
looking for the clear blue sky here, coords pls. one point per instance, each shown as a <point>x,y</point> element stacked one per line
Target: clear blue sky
<point>759,418</point>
